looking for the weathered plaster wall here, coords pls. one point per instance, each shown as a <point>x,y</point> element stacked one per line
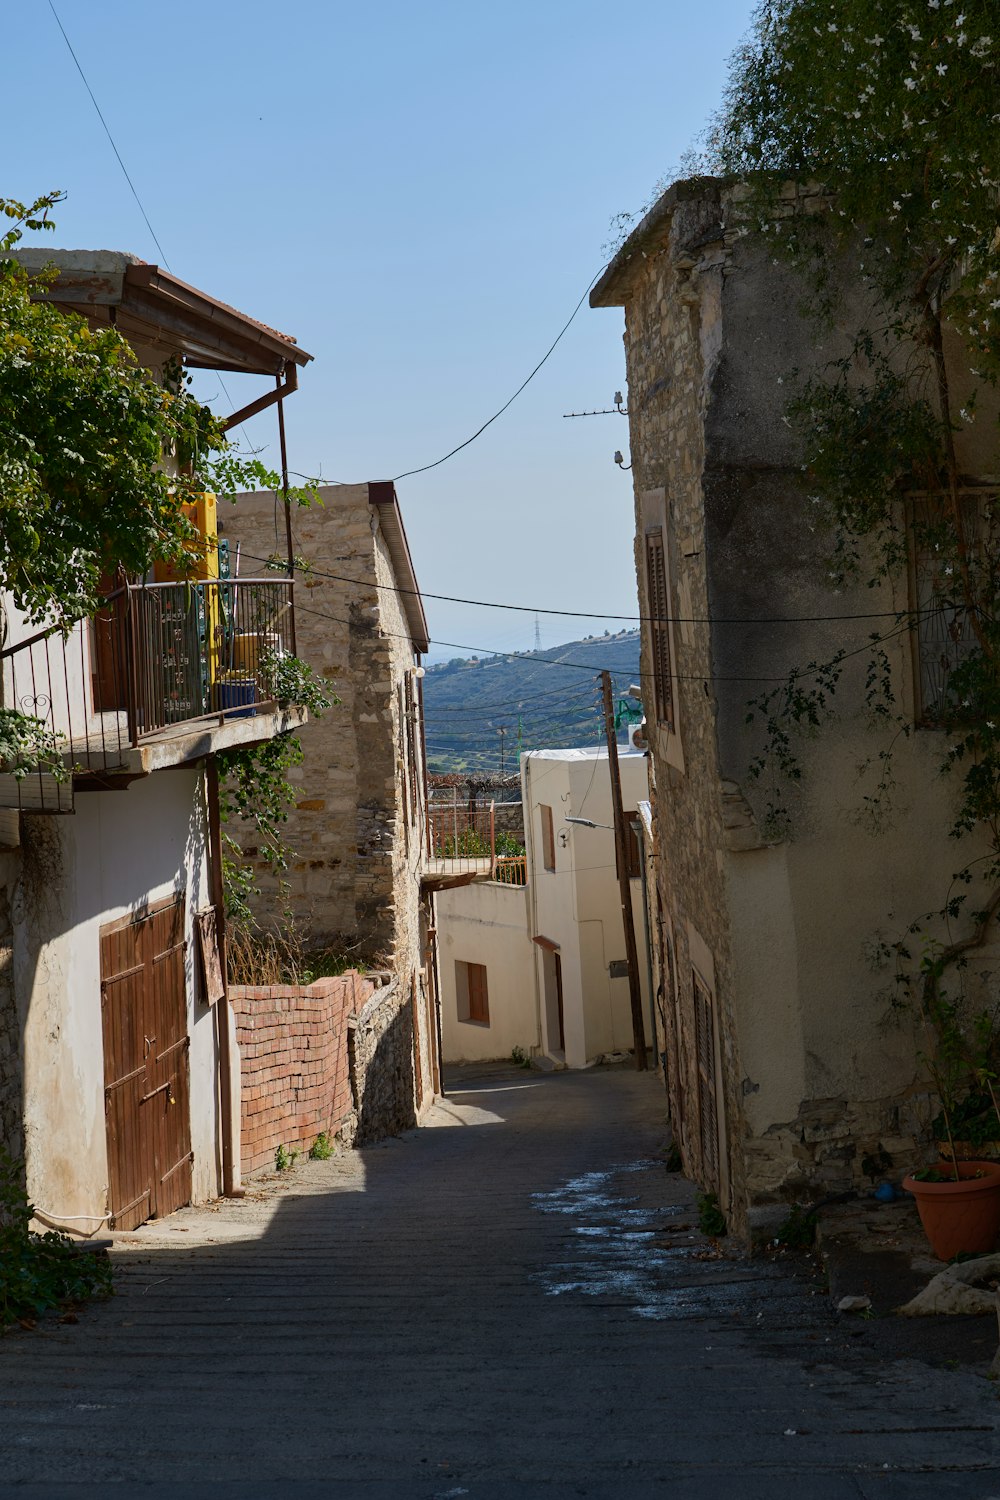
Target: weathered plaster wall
<point>578,905</point>
<point>487,923</point>
<point>118,853</point>
<point>808,1079</point>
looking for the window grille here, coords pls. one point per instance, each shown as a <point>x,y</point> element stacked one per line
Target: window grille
<point>659,627</point>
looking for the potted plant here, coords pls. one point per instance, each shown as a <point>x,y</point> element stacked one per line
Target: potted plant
<point>975,1128</point>
<point>958,1198</point>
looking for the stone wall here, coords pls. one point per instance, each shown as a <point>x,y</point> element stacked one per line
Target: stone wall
<point>781,926</point>
<point>382,1054</point>
<point>295,1081</point>
<point>672,341</point>
<point>358,827</point>
<point>325,825</point>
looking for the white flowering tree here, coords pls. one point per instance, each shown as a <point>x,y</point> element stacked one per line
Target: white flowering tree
<point>892,109</point>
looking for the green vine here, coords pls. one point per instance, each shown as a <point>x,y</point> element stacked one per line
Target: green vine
<point>254,788</point>
<point>39,1272</point>
<point>863,135</point>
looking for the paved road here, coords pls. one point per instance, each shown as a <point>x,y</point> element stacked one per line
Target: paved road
<point>515,1306</point>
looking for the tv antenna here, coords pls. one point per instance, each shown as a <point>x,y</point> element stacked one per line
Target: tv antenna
<point>604,411</point>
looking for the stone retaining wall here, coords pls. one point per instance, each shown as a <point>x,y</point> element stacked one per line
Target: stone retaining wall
<point>381,1058</point>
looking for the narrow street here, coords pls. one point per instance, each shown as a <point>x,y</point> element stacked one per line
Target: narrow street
<point>514,1303</point>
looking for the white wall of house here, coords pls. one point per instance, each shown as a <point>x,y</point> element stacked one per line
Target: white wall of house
<point>486,923</point>
<point>577,906</point>
<point>120,851</point>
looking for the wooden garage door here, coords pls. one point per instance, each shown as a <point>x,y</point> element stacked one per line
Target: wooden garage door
<point>146,1074</point>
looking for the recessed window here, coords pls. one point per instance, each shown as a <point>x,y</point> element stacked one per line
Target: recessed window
<point>633,849</point>
<point>472,993</point>
<point>548,838</point>
<point>659,628</point>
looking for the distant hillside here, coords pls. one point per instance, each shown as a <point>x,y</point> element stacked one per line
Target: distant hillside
<point>555,703</point>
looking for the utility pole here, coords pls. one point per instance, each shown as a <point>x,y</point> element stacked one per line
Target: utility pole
<point>621,859</point>
<point>502,732</point>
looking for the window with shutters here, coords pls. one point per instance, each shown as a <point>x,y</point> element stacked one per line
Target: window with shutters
<point>548,837</point>
<point>708,1113</point>
<point>472,993</point>
<point>661,656</point>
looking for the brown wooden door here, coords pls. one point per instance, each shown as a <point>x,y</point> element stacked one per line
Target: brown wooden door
<point>559,1002</point>
<point>146,1072</point>
<point>109,664</point>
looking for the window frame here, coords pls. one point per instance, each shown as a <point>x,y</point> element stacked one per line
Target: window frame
<point>472,992</point>
<point>548,837</point>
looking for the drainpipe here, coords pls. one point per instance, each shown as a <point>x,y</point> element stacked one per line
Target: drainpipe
<point>436,979</point>
<point>526,812</point>
<point>640,830</point>
<point>223,1012</point>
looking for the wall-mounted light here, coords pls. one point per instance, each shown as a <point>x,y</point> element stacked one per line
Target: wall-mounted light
<point>619,460</point>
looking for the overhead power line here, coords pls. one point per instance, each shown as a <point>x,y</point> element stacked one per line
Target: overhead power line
<point>595,668</point>
<point>580,614</point>
<point>107,132</point>
<point>408,473</point>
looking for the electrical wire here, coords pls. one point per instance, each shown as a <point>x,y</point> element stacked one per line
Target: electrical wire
<point>408,473</point>
<point>132,187</point>
<point>596,669</point>
<point>107,132</point>
<point>579,614</point>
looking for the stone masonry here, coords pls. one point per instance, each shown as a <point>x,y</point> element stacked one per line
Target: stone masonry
<point>357,829</point>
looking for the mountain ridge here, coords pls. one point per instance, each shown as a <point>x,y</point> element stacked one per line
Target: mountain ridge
<point>544,700</point>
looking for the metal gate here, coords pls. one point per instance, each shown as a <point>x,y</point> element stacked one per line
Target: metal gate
<point>146,1073</point>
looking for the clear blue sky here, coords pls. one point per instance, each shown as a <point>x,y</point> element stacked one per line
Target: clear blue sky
<point>419,194</point>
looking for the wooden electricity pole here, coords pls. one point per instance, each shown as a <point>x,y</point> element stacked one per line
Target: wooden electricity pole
<point>621,859</point>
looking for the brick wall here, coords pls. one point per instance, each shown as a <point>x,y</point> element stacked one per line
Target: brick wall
<point>294,1063</point>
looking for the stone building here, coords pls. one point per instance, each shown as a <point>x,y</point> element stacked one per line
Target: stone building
<point>781,1073</point>
<point>357,829</point>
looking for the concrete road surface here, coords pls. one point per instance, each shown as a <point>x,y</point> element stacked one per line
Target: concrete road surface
<point>513,1303</point>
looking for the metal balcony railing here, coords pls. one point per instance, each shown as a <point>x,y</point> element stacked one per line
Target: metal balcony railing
<point>155,660</point>
<point>463,837</point>
<point>510,869</point>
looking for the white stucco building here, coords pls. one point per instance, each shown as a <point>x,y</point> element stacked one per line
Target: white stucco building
<point>542,967</point>
<point>118,1067</point>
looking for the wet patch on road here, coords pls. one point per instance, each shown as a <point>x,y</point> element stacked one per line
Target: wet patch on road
<point>651,1256</point>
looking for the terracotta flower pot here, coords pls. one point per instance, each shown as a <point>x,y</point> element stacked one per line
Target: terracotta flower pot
<point>960,1218</point>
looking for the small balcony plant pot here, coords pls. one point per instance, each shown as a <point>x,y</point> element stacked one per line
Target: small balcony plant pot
<point>963,1217</point>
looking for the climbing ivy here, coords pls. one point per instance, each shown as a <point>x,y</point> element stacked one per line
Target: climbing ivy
<point>863,134</point>
<point>254,787</point>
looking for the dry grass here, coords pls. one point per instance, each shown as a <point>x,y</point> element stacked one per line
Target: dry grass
<point>284,958</point>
